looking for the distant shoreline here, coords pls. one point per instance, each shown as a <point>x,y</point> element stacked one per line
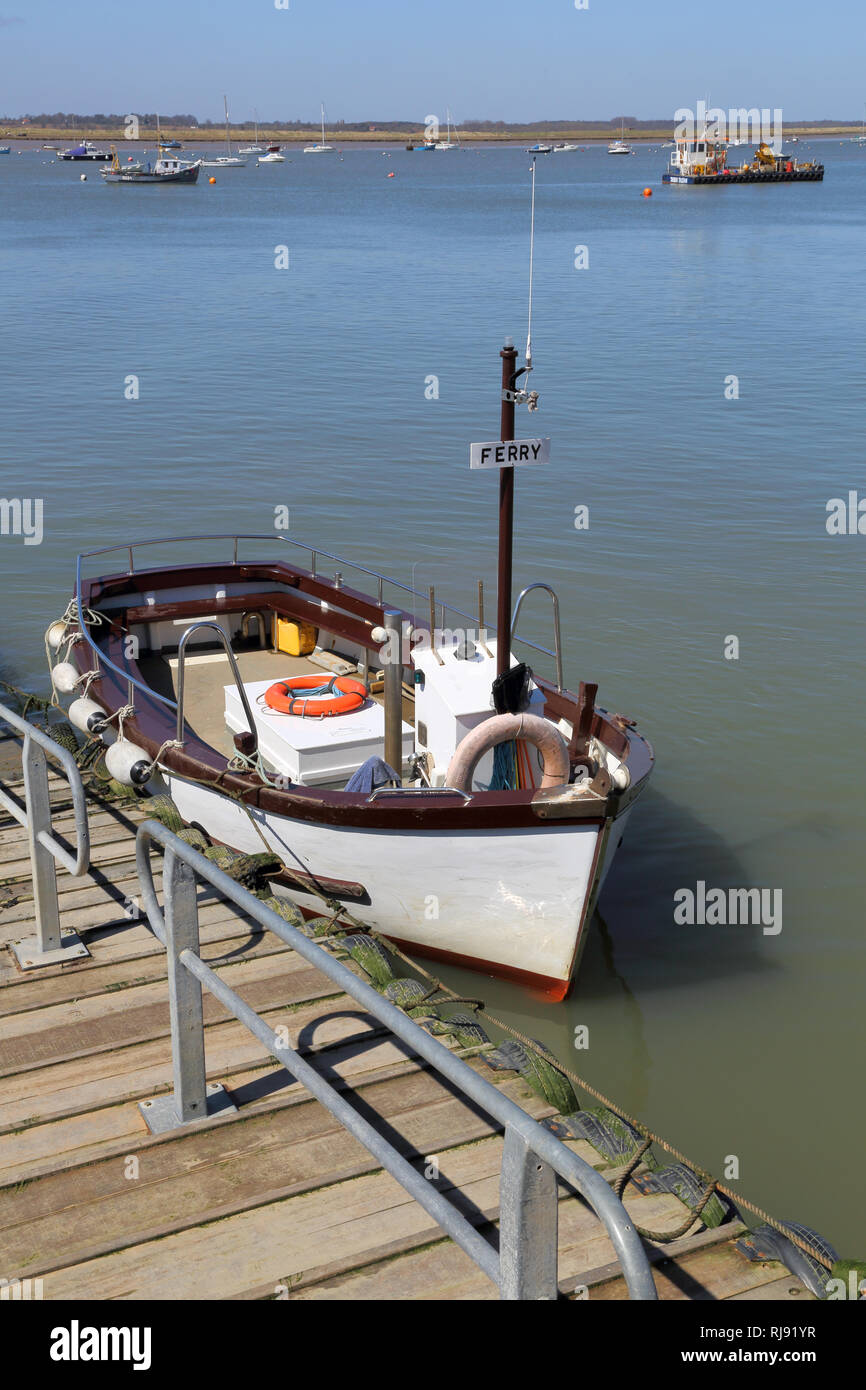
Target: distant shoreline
<point>242,134</point>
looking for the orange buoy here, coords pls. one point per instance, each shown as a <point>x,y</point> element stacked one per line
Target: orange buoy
<point>647,193</point>
<point>341,696</point>
<point>391,175</point>
<point>211,179</point>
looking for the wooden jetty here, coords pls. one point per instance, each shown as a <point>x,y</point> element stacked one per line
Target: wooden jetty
<point>278,1200</point>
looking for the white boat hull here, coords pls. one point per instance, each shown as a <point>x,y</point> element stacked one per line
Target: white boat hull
<point>511,902</point>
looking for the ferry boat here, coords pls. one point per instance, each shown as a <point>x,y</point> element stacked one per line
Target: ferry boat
<point>469,811</point>
<point>704,160</point>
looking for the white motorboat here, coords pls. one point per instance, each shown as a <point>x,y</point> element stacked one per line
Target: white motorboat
<point>86,151</point>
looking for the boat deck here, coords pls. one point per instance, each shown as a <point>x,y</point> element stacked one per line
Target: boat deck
<point>278,1200</point>
<point>206,673</point>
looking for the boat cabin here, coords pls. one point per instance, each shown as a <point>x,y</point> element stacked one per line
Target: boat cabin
<point>705,155</point>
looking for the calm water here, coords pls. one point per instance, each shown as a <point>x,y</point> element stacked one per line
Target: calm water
<point>306,387</point>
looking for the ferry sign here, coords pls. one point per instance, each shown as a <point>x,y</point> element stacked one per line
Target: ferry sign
<point>509,454</point>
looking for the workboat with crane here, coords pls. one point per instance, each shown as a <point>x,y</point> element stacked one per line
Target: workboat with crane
<point>704,160</point>
<point>412,774</point>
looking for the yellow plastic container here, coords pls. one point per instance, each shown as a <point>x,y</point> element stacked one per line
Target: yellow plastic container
<point>295,639</point>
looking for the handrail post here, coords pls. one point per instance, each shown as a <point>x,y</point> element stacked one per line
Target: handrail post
<point>38,803</point>
<point>191,1098</point>
<point>184,990</point>
<point>528,1224</point>
<point>52,944</point>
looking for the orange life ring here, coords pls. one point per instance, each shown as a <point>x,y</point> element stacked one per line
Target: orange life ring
<point>352,695</point>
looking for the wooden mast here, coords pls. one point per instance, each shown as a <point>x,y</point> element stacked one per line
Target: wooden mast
<point>506,515</point>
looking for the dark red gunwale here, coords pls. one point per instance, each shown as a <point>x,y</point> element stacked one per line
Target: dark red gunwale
<point>154,722</point>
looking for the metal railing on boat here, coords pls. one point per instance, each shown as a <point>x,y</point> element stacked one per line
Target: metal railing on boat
<point>525,1264</point>
<point>315,554</point>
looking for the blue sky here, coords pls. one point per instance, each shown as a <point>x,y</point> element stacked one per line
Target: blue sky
<point>390,59</point>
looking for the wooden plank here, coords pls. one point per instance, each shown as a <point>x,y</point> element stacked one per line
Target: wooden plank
<point>213,1173</point>
<point>113,1130</point>
<point>712,1274</point>
<point>100,824</point>
<point>120,888</point>
<point>443,1272</point>
<point>105,1024</point>
<point>99,978</point>
<point>788,1289</point>
<point>301,1237</point>
<point>144,1069</point>
<point>130,951</point>
<point>121,850</point>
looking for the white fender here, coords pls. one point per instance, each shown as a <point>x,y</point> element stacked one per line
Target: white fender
<point>65,677</point>
<point>86,715</point>
<point>502,728</point>
<point>128,763</point>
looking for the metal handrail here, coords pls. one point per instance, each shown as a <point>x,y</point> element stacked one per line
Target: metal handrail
<point>32,735</point>
<point>556,633</point>
<point>131,547</point>
<point>525,1267</point>
<point>45,850</point>
<point>419,791</point>
<point>181,658</point>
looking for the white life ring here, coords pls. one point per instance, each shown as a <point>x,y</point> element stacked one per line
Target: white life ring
<point>502,728</point>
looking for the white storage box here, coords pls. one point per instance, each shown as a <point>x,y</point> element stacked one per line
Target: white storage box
<point>453,698</point>
<point>313,752</point>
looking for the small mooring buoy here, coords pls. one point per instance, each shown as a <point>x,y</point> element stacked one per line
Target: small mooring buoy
<point>83,178</point>
<point>211,179</point>
<point>647,193</point>
<point>392,175</point>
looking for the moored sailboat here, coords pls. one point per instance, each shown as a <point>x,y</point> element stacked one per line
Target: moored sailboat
<point>321,148</point>
<point>227,160</point>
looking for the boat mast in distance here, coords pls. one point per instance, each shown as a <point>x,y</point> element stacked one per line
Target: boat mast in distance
<point>321,148</point>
